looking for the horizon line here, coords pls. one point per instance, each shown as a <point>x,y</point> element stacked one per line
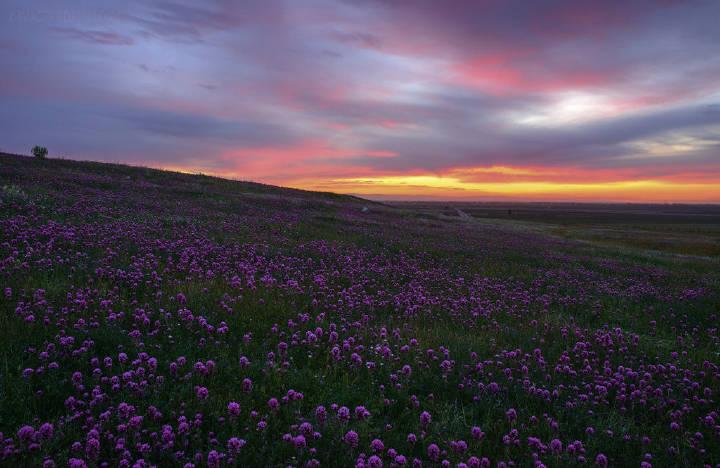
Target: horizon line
<point>382,198</point>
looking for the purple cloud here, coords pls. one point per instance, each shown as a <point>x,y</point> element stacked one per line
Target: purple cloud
<point>94,36</point>
<point>437,85</point>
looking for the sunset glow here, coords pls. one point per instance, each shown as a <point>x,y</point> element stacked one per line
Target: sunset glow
<point>451,188</point>
<point>547,100</point>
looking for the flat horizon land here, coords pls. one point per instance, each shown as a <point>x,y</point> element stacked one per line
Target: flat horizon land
<point>680,228</point>
<point>157,318</point>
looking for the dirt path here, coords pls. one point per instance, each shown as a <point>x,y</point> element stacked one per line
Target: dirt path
<point>462,214</point>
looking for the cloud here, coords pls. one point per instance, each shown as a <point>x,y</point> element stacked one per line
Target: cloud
<point>363,39</point>
<point>94,36</point>
<point>188,21</point>
<point>332,89</point>
<point>201,127</point>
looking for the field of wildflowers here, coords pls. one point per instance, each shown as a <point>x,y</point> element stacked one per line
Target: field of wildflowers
<point>160,319</point>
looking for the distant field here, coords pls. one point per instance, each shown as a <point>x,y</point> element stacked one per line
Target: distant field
<point>681,229</point>
<point>153,318</point>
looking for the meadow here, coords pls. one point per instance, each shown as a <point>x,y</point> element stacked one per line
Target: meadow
<point>154,318</point>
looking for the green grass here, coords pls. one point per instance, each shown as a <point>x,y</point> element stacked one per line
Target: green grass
<point>143,222</point>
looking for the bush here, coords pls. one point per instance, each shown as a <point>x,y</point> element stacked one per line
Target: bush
<point>12,194</point>
<point>39,152</point>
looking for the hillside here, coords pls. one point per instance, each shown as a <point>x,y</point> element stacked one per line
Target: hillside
<point>154,318</point>
<point>89,175</point>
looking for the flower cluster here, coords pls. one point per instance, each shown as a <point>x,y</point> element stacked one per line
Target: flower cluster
<point>156,319</point>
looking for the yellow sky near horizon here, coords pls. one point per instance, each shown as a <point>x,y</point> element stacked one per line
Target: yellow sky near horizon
<point>517,183</point>
<point>429,186</point>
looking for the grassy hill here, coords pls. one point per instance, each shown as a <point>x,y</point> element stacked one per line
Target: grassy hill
<point>158,318</point>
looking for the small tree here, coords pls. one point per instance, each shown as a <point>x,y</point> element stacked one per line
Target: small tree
<point>39,152</point>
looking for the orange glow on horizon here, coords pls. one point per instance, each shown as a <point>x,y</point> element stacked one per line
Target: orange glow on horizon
<point>640,191</point>
<point>496,182</point>
<point>452,188</point>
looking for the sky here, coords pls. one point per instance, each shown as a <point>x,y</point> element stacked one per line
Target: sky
<point>389,99</point>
